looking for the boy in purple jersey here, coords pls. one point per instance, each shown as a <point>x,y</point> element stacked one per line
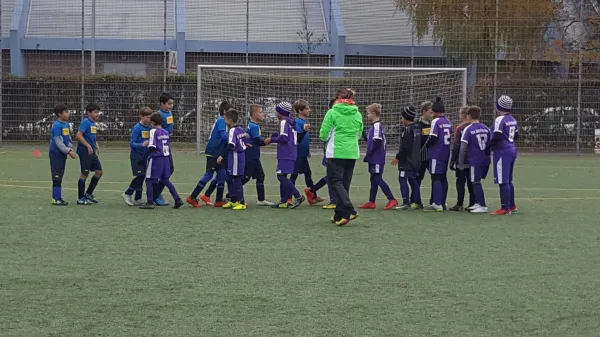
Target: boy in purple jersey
<point>473,143</point>
<point>409,161</point>
<point>287,152</point>
<point>159,165</point>
<point>375,157</point>
<point>438,152</point>
<point>503,147</point>
<point>236,160</point>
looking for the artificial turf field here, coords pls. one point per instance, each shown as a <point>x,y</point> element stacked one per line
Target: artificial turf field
<point>114,270</point>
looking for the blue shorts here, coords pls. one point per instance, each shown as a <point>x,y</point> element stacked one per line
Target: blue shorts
<point>58,162</point>
<point>89,162</point>
<point>477,173</point>
<point>302,166</point>
<point>438,166</point>
<point>158,168</point>
<point>254,169</point>
<point>137,169</point>
<point>504,165</point>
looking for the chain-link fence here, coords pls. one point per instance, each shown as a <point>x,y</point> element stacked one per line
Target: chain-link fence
<point>123,54</point>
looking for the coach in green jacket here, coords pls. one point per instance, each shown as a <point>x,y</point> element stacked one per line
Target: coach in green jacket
<point>341,130</point>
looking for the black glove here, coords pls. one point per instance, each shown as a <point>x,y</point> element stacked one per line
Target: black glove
<point>452,166</point>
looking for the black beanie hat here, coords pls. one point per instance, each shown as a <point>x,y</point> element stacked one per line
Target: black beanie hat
<point>438,106</point>
<point>409,113</point>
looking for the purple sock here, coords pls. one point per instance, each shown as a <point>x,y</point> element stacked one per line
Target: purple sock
<point>385,188</point>
<point>479,196</point>
<point>512,195</point>
<point>172,190</point>
<point>150,191</point>
<point>404,191</point>
<point>416,191</point>
<point>504,196</point>
<point>374,187</point>
<point>436,189</point>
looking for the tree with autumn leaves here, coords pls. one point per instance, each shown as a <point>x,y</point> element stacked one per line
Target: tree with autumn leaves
<point>469,29</point>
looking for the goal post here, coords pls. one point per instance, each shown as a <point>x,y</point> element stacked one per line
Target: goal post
<point>393,87</point>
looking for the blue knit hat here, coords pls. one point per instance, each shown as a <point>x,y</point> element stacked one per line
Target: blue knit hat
<point>284,109</point>
<point>504,103</point>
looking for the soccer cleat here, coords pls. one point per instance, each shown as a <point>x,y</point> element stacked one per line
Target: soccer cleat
<point>193,202</point>
<point>353,216</point>
<point>457,208</point>
<point>128,200</point>
<point>514,209</point>
<point>415,206</point>
<point>206,200</point>
<point>433,208</point>
<point>332,219</point>
<point>290,201</point>
<point>265,203</point>
<point>83,201</point>
<point>501,211</point>
<point>368,205</point>
<point>147,206</point>
<point>318,200</point>
<point>403,207</point>
<point>281,205</point>
<point>139,202</point>
<point>342,222</point>
<point>91,198</point>
<point>473,207</point>
<point>310,196</point>
<point>160,201</point>
<point>59,202</point>
<point>229,204</point>
<point>220,203</point>
<point>479,210</point>
<point>330,206</point>
<point>239,207</point>
<point>178,203</point>
<point>298,202</point>
<point>390,205</point>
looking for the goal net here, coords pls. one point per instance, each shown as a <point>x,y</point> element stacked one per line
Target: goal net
<point>394,88</point>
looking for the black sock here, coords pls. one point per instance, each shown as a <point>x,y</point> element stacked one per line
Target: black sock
<point>81,188</point>
<point>93,184</point>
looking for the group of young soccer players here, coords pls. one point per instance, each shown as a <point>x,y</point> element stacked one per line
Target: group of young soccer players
<point>233,157</point>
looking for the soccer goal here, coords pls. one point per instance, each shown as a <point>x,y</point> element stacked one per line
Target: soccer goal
<point>394,88</point>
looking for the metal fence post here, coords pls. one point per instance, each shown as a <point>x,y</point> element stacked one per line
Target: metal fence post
<point>165,63</point>
<point>579,83</point>
<point>93,51</point>
<point>82,59</point>
<point>1,75</point>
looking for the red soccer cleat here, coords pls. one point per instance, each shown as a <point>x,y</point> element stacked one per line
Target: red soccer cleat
<point>368,205</point>
<point>514,208</point>
<point>310,196</point>
<point>501,211</point>
<point>206,200</point>
<point>390,205</point>
<point>219,204</point>
<point>193,202</point>
<point>318,200</point>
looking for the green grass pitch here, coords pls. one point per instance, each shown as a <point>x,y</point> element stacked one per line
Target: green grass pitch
<point>113,270</point>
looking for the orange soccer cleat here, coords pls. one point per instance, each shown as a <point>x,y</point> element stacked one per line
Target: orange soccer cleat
<point>368,205</point>
<point>310,196</point>
<point>193,202</point>
<point>206,200</point>
<point>501,211</point>
<point>390,205</point>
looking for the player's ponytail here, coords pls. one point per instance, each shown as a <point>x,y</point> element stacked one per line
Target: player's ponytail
<point>345,93</point>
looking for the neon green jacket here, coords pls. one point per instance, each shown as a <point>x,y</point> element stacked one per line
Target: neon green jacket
<point>341,129</point>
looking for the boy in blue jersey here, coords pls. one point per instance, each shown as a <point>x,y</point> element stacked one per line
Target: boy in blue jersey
<point>302,110</point>
<point>88,150</point>
<point>254,169</point>
<point>60,148</point>
<point>138,143</point>
<point>166,107</point>
<point>216,146</point>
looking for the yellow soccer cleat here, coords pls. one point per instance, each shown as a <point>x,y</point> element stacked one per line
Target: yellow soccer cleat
<point>239,207</point>
<point>230,204</point>
<point>329,206</point>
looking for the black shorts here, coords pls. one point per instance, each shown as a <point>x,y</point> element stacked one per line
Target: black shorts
<point>254,170</point>
<point>302,166</point>
<point>137,169</point>
<point>212,166</point>
<point>58,161</point>
<point>89,162</point>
